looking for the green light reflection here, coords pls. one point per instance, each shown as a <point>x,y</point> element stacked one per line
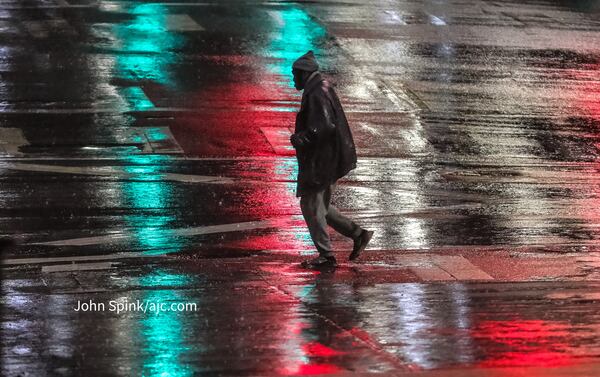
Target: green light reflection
<point>147,45</point>
<point>147,53</point>
<point>297,33</point>
<point>164,334</point>
<point>150,195</point>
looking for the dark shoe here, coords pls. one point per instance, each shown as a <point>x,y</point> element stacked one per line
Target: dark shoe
<point>319,263</point>
<point>360,243</point>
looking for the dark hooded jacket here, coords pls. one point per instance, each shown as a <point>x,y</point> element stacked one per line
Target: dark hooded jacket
<point>327,152</point>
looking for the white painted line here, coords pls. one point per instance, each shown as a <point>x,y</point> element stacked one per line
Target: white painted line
<point>279,139</point>
<point>275,15</point>
<point>161,140</point>
<point>117,172</point>
<point>107,110</point>
<point>436,267</point>
<point>435,20</point>
<point>397,18</point>
<point>431,273</point>
<point>460,267</point>
<point>77,267</point>
<point>104,110</point>
<point>190,178</point>
<point>186,4</point>
<point>400,100</point>
<point>210,229</point>
<point>110,6</point>
<point>63,111</point>
<point>79,258</point>
<point>136,98</point>
<point>57,4</point>
<point>86,170</point>
<point>235,227</point>
<point>182,22</point>
<point>174,158</point>
<point>11,139</point>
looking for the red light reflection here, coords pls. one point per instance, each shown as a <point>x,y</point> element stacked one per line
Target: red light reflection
<point>311,370</point>
<point>525,343</point>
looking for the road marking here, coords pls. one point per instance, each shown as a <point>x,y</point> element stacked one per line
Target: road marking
<point>77,267</point>
<point>161,140</point>
<point>460,267</point>
<point>106,110</point>
<point>577,295</point>
<point>136,98</point>
<point>11,139</point>
<point>431,273</point>
<point>195,231</point>
<point>403,95</point>
<point>435,20</point>
<point>279,139</point>
<point>104,5</point>
<point>182,22</point>
<point>80,258</point>
<point>117,172</point>
<point>397,18</point>
<point>58,4</point>
<point>432,267</point>
<point>151,139</point>
<point>275,15</point>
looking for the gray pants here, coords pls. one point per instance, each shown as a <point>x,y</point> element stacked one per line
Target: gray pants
<point>318,214</point>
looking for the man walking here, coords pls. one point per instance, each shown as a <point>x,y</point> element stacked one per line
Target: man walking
<point>326,152</point>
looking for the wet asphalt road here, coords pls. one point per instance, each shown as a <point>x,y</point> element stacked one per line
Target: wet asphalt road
<point>144,156</point>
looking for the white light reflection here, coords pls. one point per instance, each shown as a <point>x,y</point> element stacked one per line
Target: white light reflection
<point>429,326</point>
<point>437,21</point>
<point>59,325</point>
<point>394,17</point>
<point>414,233</point>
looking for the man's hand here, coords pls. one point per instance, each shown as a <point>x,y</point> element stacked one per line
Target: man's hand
<point>296,141</point>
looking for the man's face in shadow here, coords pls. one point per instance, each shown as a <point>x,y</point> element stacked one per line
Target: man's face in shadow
<point>299,78</point>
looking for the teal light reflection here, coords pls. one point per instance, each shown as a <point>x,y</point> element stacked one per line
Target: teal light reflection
<point>150,195</point>
<point>164,334</point>
<point>295,35</point>
<point>147,53</point>
<point>147,45</point>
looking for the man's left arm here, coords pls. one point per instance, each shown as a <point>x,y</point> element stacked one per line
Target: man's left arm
<point>319,122</point>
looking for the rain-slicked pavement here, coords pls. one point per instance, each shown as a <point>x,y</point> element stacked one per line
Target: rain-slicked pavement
<point>146,174</point>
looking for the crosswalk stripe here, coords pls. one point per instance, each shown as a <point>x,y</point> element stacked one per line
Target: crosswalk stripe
<point>279,139</point>
<point>11,139</point>
<point>182,22</point>
<point>194,231</point>
<point>78,258</point>
<point>117,172</point>
<point>77,267</point>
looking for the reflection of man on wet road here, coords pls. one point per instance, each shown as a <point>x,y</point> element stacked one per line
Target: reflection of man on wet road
<point>326,152</point>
